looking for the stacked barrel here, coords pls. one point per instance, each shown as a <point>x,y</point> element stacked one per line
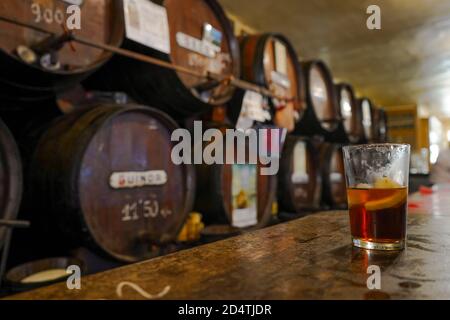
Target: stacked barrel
<point>99,172</point>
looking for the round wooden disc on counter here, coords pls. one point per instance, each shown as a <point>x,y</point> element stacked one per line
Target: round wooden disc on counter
<point>270,60</point>
<point>349,112</point>
<point>334,189</point>
<point>40,273</point>
<point>10,178</point>
<point>35,62</point>
<point>366,108</point>
<point>194,34</point>
<point>235,194</point>
<point>105,178</point>
<point>299,184</point>
<point>321,114</point>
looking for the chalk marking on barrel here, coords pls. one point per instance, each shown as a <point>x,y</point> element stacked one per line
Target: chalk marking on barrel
<point>141,291</point>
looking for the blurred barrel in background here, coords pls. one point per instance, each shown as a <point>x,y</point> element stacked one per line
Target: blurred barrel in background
<point>237,195</point>
<point>380,126</point>
<point>299,185</point>
<point>10,178</point>
<point>270,60</point>
<point>321,115</point>
<point>194,34</point>
<point>103,177</point>
<point>334,191</point>
<point>366,107</point>
<point>350,113</point>
<point>36,64</point>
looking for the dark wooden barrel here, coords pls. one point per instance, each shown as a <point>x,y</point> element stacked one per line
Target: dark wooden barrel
<point>34,63</point>
<point>334,191</point>
<point>10,178</point>
<point>235,194</point>
<point>193,25</point>
<point>105,178</point>
<point>366,107</point>
<point>380,127</point>
<point>322,112</point>
<point>299,180</point>
<point>349,112</point>
<point>270,60</point>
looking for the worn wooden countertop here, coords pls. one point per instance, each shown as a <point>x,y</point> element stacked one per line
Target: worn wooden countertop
<point>309,258</point>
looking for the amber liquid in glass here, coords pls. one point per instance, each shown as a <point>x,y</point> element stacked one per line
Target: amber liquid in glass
<point>378,217</point>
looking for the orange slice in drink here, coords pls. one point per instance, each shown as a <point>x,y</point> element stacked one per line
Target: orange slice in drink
<point>396,198</point>
<point>385,183</point>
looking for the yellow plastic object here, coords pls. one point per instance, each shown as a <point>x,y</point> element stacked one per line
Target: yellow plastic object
<point>274,208</point>
<point>192,228</point>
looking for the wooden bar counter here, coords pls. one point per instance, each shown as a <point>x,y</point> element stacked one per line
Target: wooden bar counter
<point>308,258</point>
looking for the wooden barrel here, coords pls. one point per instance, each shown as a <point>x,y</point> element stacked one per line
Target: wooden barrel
<point>199,37</point>
<point>349,112</point>
<point>10,178</point>
<point>270,60</point>
<point>299,180</point>
<point>235,194</point>
<point>380,127</point>
<point>321,114</point>
<point>334,190</point>
<point>105,178</point>
<point>366,107</point>
<point>35,63</point>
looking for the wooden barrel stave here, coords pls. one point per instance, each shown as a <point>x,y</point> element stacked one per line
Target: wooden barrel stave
<point>299,185</point>
<point>380,125</point>
<point>74,163</point>
<point>177,93</point>
<point>367,108</point>
<point>321,115</point>
<point>349,112</point>
<point>10,177</point>
<point>100,22</point>
<point>334,188</point>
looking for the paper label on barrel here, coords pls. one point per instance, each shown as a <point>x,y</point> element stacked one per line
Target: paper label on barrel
<point>300,174</point>
<point>244,196</point>
<point>147,24</point>
<point>201,46</point>
<point>137,179</point>
<point>253,108</point>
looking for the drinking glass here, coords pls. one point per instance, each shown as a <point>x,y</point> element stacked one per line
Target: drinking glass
<point>377,192</point>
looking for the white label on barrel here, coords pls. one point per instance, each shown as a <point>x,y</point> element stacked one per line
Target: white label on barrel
<point>280,79</point>
<point>253,107</point>
<point>147,24</point>
<point>135,179</point>
<point>336,177</point>
<point>203,47</point>
<point>300,174</point>
<point>281,57</point>
<point>244,196</point>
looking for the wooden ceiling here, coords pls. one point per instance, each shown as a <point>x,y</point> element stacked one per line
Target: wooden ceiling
<point>407,61</point>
